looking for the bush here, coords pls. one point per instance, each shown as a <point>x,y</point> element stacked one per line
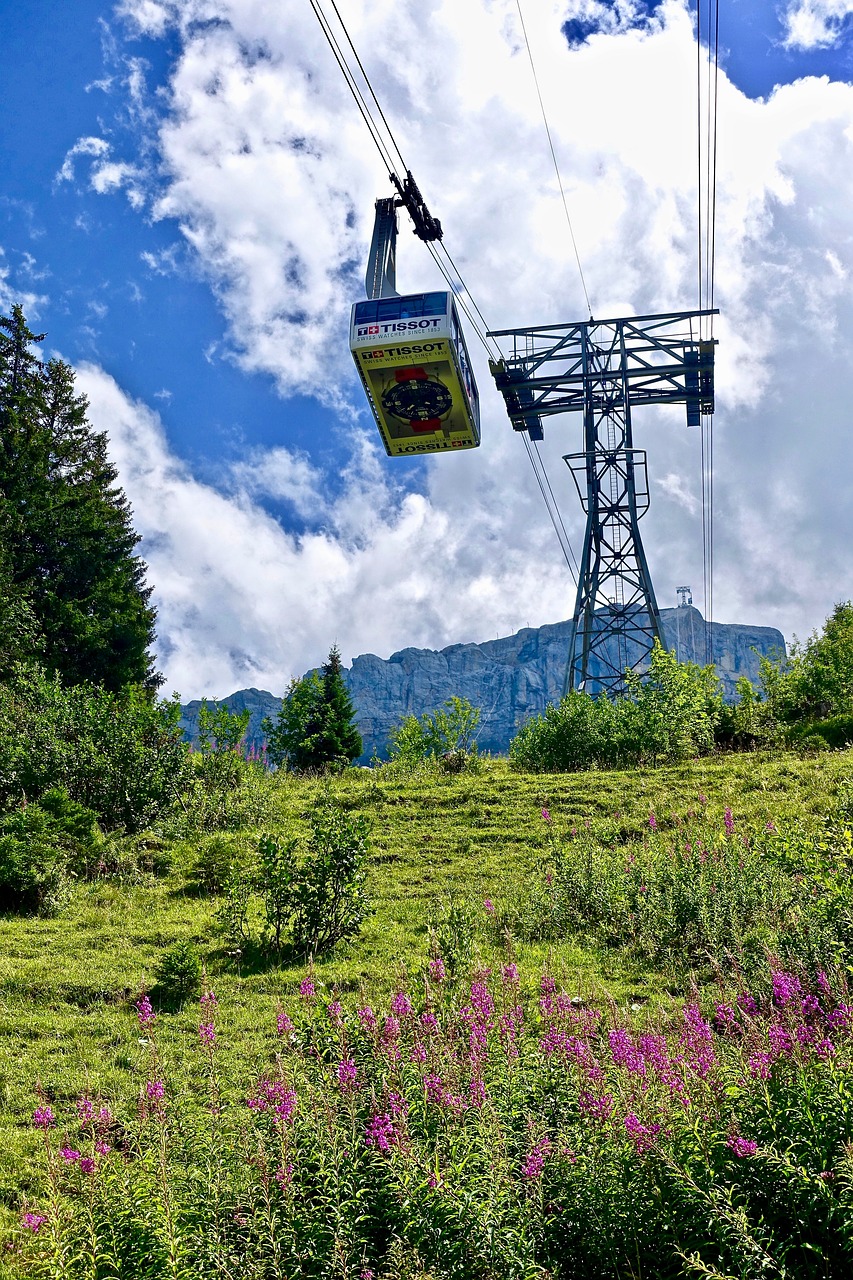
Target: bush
<point>215,861</point>
<point>668,715</point>
<point>178,973</point>
<point>118,754</point>
<point>42,847</point>
<point>448,734</point>
<point>330,897</point>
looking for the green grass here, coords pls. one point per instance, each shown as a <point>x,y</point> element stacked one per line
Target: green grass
<point>67,985</point>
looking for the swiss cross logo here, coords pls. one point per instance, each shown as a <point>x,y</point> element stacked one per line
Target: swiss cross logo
<point>373,328</point>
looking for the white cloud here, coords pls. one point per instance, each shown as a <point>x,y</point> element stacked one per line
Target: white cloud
<point>815,24</point>
<point>243,602</point>
<point>105,175</point>
<point>270,178</point>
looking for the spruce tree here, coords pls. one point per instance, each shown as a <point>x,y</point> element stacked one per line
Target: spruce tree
<point>315,725</point>
<point>69,540</point>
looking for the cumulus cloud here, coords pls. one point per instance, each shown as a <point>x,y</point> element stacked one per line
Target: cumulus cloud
<point>270,179</point>
<point>816,24</point>
<point>105,175</point>
<point>243,602</point>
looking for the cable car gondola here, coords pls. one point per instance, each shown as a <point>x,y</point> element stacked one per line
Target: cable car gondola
<point>415,368</point>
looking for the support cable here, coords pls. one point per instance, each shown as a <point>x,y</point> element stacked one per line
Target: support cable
<point>554,157</point>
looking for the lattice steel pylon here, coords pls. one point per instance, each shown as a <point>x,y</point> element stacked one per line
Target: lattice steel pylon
<point>604,369</point>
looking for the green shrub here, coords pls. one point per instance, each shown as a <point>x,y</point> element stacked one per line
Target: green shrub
<point>178,973</point>
<point>669,714</point>
<point>330,895</point>
<point>836,732</point>
<point>216,859</point>
<point>42,848</point>
<point>118,754</point>
<point>448,734</point>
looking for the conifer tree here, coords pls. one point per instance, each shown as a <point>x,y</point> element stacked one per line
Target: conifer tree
<point>69,540</point>
<point>315,726</point>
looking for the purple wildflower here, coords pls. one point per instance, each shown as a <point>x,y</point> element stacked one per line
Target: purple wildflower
<point>207,1034</point>
<point>477,1092</point>
<point>758,1065</point>
<point>741,1147</point>
<point>641,1135</point>
<point>102,1148</point>
<point>43,1118</point>
<point>397,1105</point>
<point>335,1012</point>
<point>728,818</point>
<point>208,1000</point>
<point>274,1096</point>
<point>401,1006</point>
<point>283,1025</point>
<point>347,1073</point>
<point>535,1163</point>
<point>154,1089</point>
<point>437,971</point>
<point>481,1001</point>
<point>380,1133</point>
<point>85,1110</point>
<point>33,1221</point>
<point>509,975</point>
<point>307,989</point>
<point>284,1176</point>
<point>86,1165</point>
<point>367,1018</point>
<point>596,1108</point>
<point>419,1053</point>
<point>771,826</point>
<point>625,1054</point>
<point>653,822</point>
<point>781,1042</point>
<point>489,906</point>
<point>144,1012</point>
<point>69,1154</point>
<point>546,815</point>
<point>786,989</point>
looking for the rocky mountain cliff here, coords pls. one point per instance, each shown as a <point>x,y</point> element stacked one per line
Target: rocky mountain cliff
<point>509,679</point>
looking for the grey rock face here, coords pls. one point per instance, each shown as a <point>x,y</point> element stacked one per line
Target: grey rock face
<point>509,679</point>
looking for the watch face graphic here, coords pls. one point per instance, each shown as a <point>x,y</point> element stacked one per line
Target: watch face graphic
<point>417,398</point>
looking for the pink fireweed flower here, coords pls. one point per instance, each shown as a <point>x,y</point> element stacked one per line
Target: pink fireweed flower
<point>702,799</point>
<point>546,815</point>
<point>429,1021</point>
<point>534,1165</point>
<point>86,1165</point>
<point>780,1040</point>
<point>85,1110</point>
<point>823,982</point>
<point>283,1025</point>
<point>103,1119</point>
<point>102,1148</point>
<point>284,1176</point>
<point>477,1092</point>
<point>380,1133</point>
<point>335,1012</point>
<point>547,985</point>
<point>489,906</point>
<point>367,1018</point>
<point>43,1118</point>
<point>596,1108</point>
<point>397,1105</point>
<point>144,1012</point>
<point>824,1049</point>
<point>69,1154</point>
<point>786,989</point>
<point>390,1035</point>
<point>509,975</point>
<point>434,1089</point>
<point>641,1135</point>
<point>275,1097</point>
<point>481,1001</point>
<point>437,971</point>
<point>154,1089</point>
<point>653,822</point>
<point>33,1221</point>
<point>770,826</point>
<point>728,818</point>
<point>208,1000</point>
<point>347,1073</point>
<point>758,1065</point>
<point>401,1006</point>
<point>747,1001</point>
<point>741,1146</point>
<point>207,1034</point>
<point>625,1054</point>
<point>307,989</point>
<point>419,1053</point>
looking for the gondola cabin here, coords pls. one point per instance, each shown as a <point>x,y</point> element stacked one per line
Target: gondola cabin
<point>414,364</point>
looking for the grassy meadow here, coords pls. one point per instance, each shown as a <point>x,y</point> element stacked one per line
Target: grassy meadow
<point>69,984</point>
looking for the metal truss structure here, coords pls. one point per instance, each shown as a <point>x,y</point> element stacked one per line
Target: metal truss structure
<point>604,369</point>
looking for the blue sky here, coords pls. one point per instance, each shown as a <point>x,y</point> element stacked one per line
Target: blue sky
<point>164,219</point>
